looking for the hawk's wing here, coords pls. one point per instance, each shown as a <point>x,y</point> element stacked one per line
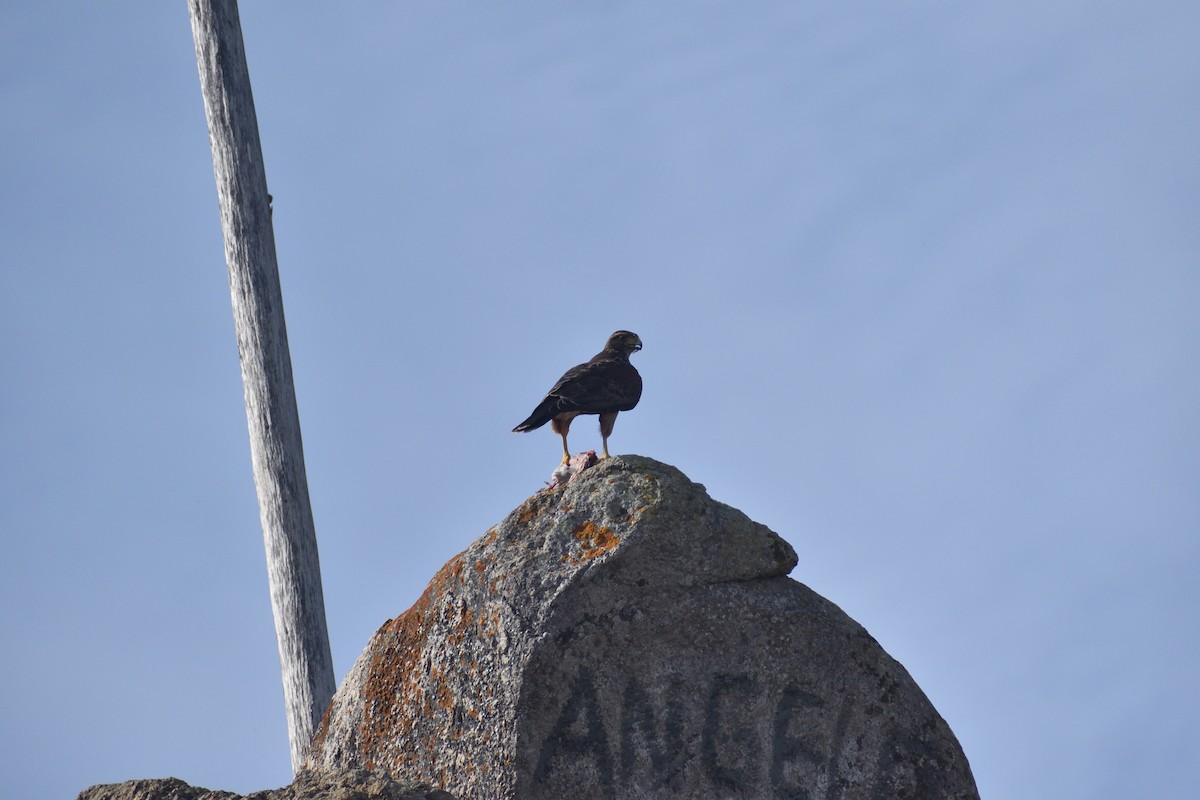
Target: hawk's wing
<point>600,385</point>
<point>604,384</point>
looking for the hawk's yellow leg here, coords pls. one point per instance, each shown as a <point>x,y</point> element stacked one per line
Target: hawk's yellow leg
<point>607,420</point>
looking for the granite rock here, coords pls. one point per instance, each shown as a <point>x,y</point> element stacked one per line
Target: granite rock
<point>629,637</point>
<point>353,784</point>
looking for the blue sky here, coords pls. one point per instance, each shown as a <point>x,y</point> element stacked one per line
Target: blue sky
<point>917,285</point>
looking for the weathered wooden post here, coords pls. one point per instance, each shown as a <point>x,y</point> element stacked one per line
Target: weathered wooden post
<point>276,450</point>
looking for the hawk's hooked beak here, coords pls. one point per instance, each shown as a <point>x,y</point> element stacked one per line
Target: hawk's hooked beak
<point>637,345</point>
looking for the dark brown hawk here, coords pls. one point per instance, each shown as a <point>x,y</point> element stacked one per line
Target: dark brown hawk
<point>605,385</point>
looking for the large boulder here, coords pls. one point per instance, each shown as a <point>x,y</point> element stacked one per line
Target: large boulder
<point>629,637</point>
<point>353,784</point>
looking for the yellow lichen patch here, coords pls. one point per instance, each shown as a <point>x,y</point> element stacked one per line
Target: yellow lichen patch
<point>595,540</point>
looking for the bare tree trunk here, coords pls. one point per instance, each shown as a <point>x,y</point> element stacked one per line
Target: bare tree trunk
<point>276,450</point>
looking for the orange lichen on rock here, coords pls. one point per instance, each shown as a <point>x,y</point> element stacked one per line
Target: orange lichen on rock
<point>395,681</point>
<point>596,540</point>
<point>445,697</point>
<point>530,509</point>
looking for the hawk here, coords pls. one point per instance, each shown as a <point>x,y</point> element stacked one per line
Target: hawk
<point>605,385</point>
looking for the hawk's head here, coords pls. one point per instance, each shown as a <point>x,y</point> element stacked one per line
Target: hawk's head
<point>624,342</point>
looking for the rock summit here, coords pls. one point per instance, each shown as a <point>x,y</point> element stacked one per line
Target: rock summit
<point>629,637</point>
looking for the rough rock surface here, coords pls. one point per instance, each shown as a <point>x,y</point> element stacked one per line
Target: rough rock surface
<point>628,637</point>
<point>356,784</point>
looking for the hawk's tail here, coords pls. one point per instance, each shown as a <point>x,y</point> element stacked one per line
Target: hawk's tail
<point>540,416</point>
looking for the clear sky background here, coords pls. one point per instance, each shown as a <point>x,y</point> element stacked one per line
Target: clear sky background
<point>918,285</point>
